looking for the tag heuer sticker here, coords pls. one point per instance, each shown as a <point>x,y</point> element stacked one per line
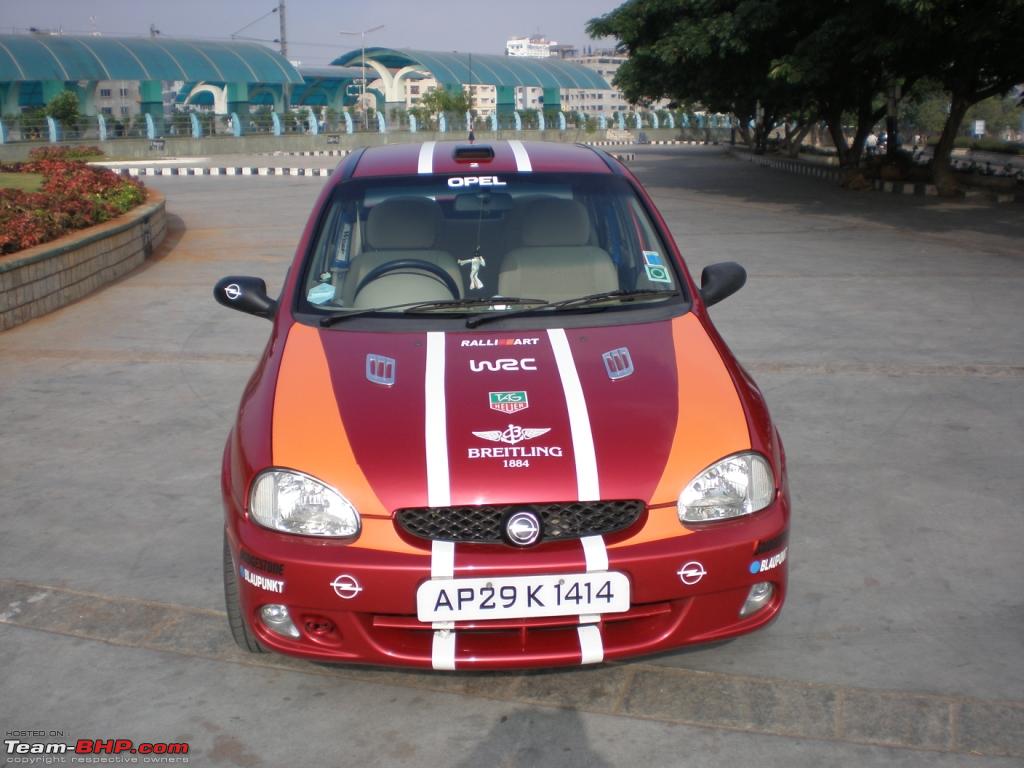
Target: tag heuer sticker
<point>508,402</point>
<point>653,258</point>
<point>657,274</point>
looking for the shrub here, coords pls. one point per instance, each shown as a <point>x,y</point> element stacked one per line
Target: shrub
<point>73,195</point>
<point>65,153</point>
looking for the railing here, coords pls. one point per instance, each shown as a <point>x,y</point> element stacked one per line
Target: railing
<point>262,121</point>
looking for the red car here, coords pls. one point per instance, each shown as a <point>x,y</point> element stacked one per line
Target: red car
<point>494,426</point>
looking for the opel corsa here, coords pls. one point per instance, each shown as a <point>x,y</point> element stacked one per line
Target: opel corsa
<point>494,426</point>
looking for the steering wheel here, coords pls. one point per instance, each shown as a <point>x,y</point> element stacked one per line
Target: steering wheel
<point>436,272</point>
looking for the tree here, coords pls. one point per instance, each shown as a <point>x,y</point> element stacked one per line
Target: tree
<point>973,50</point>
<point>64,109</point>
<point>441,100</point>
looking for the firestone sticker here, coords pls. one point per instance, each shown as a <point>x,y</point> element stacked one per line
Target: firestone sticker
<point>760,566</point>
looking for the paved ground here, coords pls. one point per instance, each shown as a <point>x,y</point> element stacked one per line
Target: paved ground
<point>886,334</point>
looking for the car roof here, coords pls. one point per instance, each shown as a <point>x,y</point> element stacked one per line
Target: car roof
<point>509,156</point>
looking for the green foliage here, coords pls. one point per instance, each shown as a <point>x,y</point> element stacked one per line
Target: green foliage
<point>64,109</point>
<point>442,100</point>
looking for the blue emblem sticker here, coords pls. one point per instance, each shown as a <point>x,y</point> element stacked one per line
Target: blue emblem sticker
<point>770,563</point>
<point>653,258</point>
<point>657,274</point>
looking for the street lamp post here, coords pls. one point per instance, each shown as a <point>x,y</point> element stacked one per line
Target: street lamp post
<point>362,91</point>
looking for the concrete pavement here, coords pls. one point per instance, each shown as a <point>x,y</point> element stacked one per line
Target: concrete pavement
<point>886,336</point>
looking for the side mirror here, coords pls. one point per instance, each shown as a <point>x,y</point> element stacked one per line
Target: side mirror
<point>720,281</point>
<point>246,294</point>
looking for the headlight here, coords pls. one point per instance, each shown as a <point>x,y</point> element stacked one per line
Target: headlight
<point>735,486</point>
<point>295,503</point>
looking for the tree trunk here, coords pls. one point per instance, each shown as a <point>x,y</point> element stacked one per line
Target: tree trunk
<point>796,139</point>
<point>834,121</point>
<point>942,173</point>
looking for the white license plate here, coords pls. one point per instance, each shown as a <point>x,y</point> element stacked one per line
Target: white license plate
<point>514,597</point>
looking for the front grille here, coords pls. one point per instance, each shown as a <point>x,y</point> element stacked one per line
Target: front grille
<point>482,524</point>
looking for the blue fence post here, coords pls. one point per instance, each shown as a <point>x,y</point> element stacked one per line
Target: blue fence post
<point>314,126</point>
<point>602,122</point>
<point>236,125</point>
<point>412,123</point>
<point>621,121</point>
<point>382,126</point>
<point>561,121</point>
<point>494,122</point>
<point>101,126</point>
<point>654,120</point>
<point>442,124</point>
<point>636,121</point>
<point>518,121</point>
<point>348,122</point>
<point>51,126</point>
<point>469,122</point>
<point>150,127</point>
<point>3,132</point>
<point>670,120</point>
<point>276,120</point>
<point>541,124</point>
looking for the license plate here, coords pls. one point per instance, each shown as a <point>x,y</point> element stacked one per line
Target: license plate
<point>514,597</point>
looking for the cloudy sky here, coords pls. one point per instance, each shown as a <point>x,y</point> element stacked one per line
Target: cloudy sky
<point>313,26</point>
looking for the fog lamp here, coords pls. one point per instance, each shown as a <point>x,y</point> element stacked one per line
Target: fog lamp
<point>757,598</point>
<point>276,618</point>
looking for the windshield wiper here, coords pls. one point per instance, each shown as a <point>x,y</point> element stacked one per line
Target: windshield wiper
<point>429,306</point>
<point>577,302</point>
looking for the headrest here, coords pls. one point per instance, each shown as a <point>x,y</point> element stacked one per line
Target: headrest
<point>401,223</point>
<point>554,221</point>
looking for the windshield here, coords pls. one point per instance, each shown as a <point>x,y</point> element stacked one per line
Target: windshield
<point>507,243</point>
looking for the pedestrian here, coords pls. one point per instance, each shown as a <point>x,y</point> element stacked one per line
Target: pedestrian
<point>871,143</point>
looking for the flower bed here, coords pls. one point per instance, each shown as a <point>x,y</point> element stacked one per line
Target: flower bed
<point>73,196</point>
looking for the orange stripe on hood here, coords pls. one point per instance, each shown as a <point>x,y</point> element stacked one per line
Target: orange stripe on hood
<point>309,435</point>
<point>710,424</point>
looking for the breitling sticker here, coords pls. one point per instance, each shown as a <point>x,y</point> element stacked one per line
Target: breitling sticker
<point>515,456</point>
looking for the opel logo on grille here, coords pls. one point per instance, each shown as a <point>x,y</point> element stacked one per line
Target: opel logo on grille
<point>522,528</point>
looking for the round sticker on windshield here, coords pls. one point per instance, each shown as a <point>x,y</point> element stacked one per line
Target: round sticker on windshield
<point>320,293</point>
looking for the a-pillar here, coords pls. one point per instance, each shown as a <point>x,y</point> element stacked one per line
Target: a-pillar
<point>151,102</point>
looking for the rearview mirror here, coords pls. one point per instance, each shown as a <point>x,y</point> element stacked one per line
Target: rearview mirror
<point>246,294</point>
<point>720,281</point>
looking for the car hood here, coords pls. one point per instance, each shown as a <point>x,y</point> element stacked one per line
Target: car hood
<point>435,419</point>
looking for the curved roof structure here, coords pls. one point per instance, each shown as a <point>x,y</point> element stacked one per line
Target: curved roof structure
<point>68,58</point>
<point>486,69</point>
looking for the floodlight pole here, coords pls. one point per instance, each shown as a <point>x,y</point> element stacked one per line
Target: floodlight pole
<point>362,84</point>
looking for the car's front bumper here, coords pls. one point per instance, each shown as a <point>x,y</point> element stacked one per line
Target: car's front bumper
<point>369,615</point>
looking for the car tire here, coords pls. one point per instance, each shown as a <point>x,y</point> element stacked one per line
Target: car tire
<point>239,626</point>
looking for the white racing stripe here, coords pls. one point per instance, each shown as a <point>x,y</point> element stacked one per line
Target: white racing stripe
<point>442,652</point>
<point>439,492</point>
<point>591,646</point>
<point>442,560</point>
<point>426,159</point>
<point>587,487</point>
<point>595,553</point>
<point>442,566</point>
<point>523,164</point>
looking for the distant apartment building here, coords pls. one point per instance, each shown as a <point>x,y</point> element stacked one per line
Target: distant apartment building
<point>118,99</point>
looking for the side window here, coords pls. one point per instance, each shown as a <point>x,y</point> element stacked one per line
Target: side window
<point>332,254</point>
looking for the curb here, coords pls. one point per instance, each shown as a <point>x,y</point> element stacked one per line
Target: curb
<point>309,153</point>
<point>649,143</point>
<point>918,189</point>
<point>205,171</point>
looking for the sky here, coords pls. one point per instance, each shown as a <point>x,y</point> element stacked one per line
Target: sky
<point>313,26</point>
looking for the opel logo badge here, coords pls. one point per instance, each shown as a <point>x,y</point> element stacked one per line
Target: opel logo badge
<point>346,587</point>
<point>522,528</point>
<point>691,573</point>
<point>233,291</point>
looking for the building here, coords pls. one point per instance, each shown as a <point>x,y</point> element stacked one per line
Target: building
<point>535,46</point>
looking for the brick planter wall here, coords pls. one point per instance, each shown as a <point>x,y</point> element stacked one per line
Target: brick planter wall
<point>44,278</point>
